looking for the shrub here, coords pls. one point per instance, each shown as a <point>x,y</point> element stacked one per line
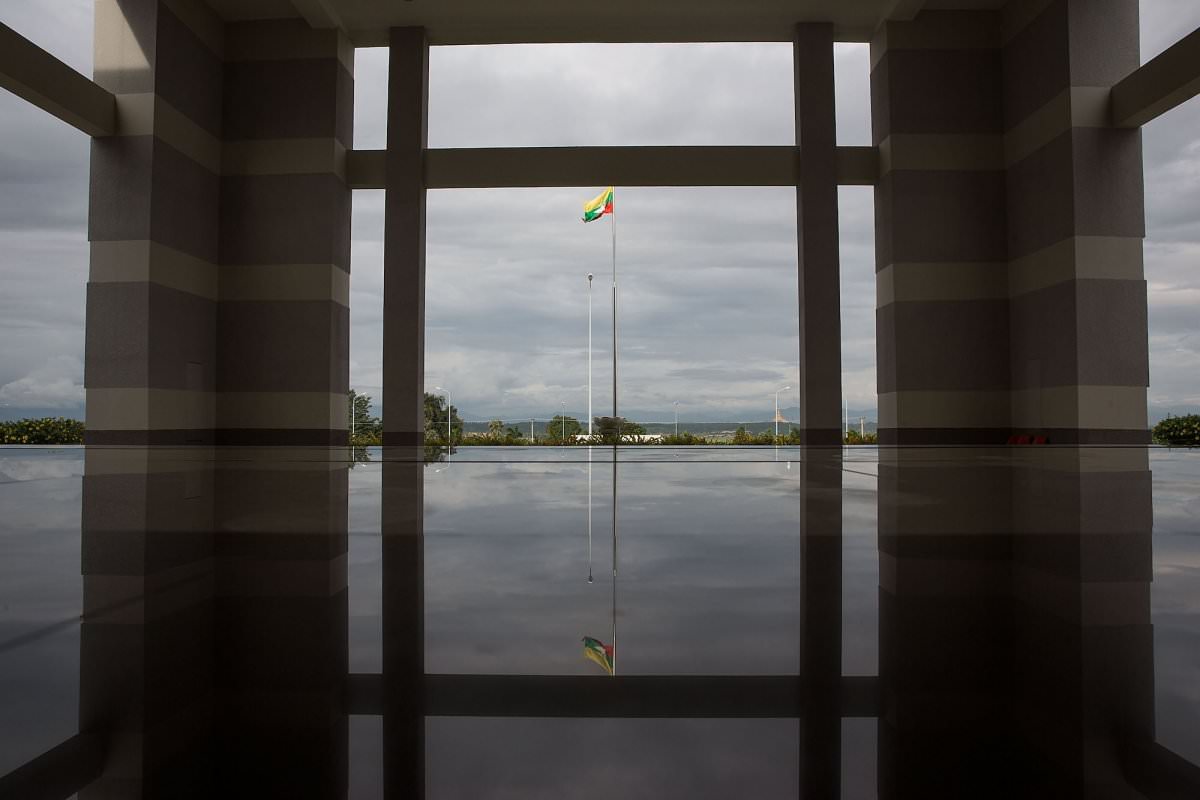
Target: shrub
<point>1179,431</point>
<point>46,430</point>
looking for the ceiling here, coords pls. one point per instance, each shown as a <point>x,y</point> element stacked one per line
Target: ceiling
<point>510,21</point>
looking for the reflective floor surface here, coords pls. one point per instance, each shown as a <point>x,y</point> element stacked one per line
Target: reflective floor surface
<point>760,623</point>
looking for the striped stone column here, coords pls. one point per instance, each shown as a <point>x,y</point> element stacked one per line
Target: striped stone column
<point>1078,321</point>
<point>817,237</point>
<point>284,321</point>
<point>150,351</point>
<point>404,240</point>
<point>940,235</point>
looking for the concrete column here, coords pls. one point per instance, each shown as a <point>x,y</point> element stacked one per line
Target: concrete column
<point>817,237</point>
<point>150,347</point>
<point>1077,317</point>
<point>283,334</point>
<point>1008,227</point>
<point>940,251</point>
<point>404,240</point>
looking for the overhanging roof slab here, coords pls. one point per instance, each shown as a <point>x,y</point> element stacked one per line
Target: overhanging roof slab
<point>449,22</point>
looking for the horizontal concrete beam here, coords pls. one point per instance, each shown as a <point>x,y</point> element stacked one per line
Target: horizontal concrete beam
<point>633,696</point>
<point>31,73</point>
<point>507,167</point>
<point>1158,85</point>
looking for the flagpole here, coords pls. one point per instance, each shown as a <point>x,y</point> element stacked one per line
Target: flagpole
<point>613,215</point>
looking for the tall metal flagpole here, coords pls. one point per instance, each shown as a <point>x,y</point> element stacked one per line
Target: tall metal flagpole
<point>613,215</point>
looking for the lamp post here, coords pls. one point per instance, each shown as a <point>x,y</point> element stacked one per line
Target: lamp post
<point>676,404</point>
<point>784,389</point>
<point>563,415</point>
<point>447,393</point>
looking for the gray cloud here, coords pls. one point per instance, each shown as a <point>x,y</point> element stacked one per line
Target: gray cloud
<point>708,282</point>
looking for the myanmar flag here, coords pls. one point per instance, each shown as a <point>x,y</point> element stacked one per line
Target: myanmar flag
<point>597,207</point>
<point>599,652</point>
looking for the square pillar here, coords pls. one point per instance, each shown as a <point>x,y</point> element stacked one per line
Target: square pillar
<point>220,228</point>
<point>153,224</point>
<point>940,250</point>
<point>817,237</point>
<point>283,335</point>
<point>1009,218</point>
<point>404,240</point>
<point>1076,219</point>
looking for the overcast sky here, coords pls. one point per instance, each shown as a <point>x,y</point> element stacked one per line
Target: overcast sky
<point>708,285</point>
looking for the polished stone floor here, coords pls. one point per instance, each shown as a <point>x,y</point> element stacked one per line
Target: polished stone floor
<point>893,623</point>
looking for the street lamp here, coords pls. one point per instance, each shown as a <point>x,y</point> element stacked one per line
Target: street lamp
<point>447,393</point>
<point>676,404</point>
<point>563,404</point>
<point>784,389</point>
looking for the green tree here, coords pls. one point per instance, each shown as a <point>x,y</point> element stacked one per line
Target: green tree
<point>563,430</point>
<point>365,430</point>
<point>1179,431</point>
<point>740,436</point>
<point>435,420</point>
<point>610,428</point>
<point>495,429</point>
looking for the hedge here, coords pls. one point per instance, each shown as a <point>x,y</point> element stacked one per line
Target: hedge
<point>46,430</point>
<point>1179,431</point>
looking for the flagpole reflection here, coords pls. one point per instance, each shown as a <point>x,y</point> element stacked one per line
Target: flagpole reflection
<point>614,562</point>
<point>589,514</point>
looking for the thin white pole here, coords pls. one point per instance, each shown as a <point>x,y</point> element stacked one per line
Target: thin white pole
<point>589,355</point>
<point>676,419</point>
<point>613,215</point>
<point>784,389</point>
<point>448,439</point>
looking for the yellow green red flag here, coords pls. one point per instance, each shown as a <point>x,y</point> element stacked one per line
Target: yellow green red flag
<point>598,651</point>
<point>599,205</point>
